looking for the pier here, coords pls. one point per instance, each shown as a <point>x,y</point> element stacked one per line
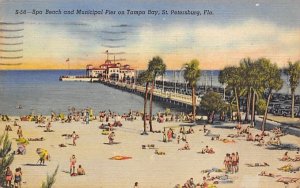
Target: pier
<point>177,99</point>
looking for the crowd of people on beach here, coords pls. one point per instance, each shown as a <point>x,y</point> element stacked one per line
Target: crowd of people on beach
<point>109,120</point>
<point>231,162</point>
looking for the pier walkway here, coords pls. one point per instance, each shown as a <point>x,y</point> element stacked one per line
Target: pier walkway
<point>158,94</point>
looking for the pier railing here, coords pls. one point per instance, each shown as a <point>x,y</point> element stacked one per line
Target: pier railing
<point>172,96</point>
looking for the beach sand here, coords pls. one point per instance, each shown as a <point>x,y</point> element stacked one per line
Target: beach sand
<point>145,167</point>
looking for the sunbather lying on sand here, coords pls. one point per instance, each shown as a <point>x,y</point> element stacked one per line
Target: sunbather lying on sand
<point>36,139</point>
<point>212,170</point>
<point>235,135</point>
<point>159,152</point>
<point>257,164</point>
<point>185,147</point>
<point>287,180</point>
<point>285,157</point>
<point>264,173</point>
<point>289,168</point>
<point>227,140</point>
<point>62,145</point>
<point>274,141</point>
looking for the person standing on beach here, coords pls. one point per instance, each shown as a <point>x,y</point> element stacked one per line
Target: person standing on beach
<point>20,132</point>
<point>48,127</point>
<point>74,137</point>
<point>227,162</point>
<point>170,134</point>
<point>164,137</point>
<point>233,163</point>
<point>237,161</point>
<point>8,177</point>
<point>18,178</point>
<point>111,137</point>
<point>87,117</point>
<point>72,165</point>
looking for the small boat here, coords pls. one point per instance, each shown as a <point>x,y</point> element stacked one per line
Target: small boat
<point>19,107</point>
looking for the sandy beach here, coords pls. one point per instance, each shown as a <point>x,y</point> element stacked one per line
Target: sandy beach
<point>145,167</point>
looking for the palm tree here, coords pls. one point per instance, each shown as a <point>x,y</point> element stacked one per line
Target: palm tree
<point>246,66</point>
<point>255,84</point>
<point>293,71</point>
<point>232,76</point>
<point>145,77</point>
<point>6,156</point>
<point>271,79</point>
<point>192,75</point>
<point>157,67</point>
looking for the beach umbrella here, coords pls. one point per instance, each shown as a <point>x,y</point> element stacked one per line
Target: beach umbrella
<point>22,141</point>
<point>42,153</point>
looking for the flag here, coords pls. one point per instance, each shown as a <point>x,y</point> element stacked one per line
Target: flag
<point>67,60</point>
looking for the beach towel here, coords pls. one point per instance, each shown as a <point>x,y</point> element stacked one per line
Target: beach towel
<point>212,170</point>
<point>118,157</point>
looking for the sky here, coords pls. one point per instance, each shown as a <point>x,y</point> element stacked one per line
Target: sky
<point>233,29</point>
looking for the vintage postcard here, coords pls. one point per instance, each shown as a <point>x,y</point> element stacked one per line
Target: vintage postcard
<point>149,94</point>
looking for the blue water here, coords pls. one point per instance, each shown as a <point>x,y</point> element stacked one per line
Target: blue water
<point>41,92</point>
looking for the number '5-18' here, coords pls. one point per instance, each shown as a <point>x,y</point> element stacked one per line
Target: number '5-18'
<point>20,12</point>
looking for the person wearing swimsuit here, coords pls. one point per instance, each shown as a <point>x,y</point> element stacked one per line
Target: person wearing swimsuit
<point>8,177</point>
<point>18,178</point>
<point>72,164</point>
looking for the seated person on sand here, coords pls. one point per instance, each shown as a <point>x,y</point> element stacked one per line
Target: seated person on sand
<point>190,131</point>
<point>285,157</point>
<point>263,133</point>
<point>208,150</point>
<point>205,129</point>
<point>257,137</point>
<point>21,149</point>
<point>261,142</point>
<point>8,128</point>
<point>247,129</point>
<point>249,137</point>
<point>185,147</point>
<point>80,170</point>
<point>238,127</point>
<point>204,183</point>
